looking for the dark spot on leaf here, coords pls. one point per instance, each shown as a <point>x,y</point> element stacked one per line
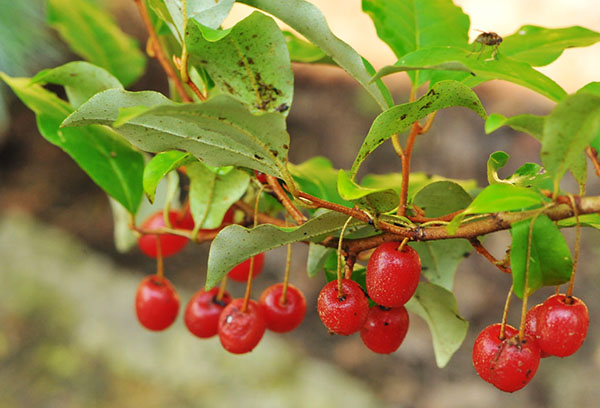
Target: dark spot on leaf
<point>285,146</point>
<point>424,268</point>
<point>254,35</point>
<point>113,154</point>
<point>222,118</point>
<point>431,92</point>
<point>250,61</point>
<point>203,61</point>
<point>72,74</point>
<point>274,152</point>
<point>229,87</point>
<point>282,108</point>
<point>466,254</point>
<point>240,63</point>
<point>257,157</point>
<point>426,106</point>
<point>403,117</point>
<point>247,48</point>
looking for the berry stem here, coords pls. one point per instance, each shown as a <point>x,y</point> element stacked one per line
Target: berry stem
<point>286,276</point>
<point>349,267</point>
<point>401,246</point>
<point>526,288</point>
<point>505,313</point>
<point>160,266</point>
<point>251,272</point>
<point>577,246</point>
<point>339,256</point>
<point>222,287</point>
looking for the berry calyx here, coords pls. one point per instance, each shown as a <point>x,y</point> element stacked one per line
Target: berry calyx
<point>202,313</point>
<point>508,364</point>
<point>345,314</point>
<point>240,272</point>
<point>282,317</point>
<point>562,325</point>
<point>170,244</point>
<point>239,331</point>
<point>531,326</point>
<point>385,329</point>
<point>392,275</point>
<point>156,303</point>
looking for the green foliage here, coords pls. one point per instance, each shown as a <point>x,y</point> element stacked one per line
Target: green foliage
<point>161,165</point>
<point>399,118</point>
<point>376,200</point>
<point>550,260</point>
<point>532,124</point>
<point>250,62</point>
<point>92,34</point>
<point>317,177</point>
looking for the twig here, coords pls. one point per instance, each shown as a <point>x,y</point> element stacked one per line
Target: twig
<point>593,155</point>
<point>285,200</point>
<point>481,250</point>
<point>159,54</point>
<point>410,142</point>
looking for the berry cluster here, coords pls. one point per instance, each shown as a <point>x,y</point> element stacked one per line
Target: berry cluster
<point>240,323</point>
<point>509,359</point>
<point>393,274</point>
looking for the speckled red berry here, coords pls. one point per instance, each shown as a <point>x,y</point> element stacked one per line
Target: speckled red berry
<point>170,244</point>
<point>344,314</point>
<point>202,313</point>
<point>508,364</point>
<point>531,326</point>
<point>240,272</point>
<point>392,275</point>
<point>156,303</point>
<point>385,329</point>
<point>280,316</point>
<point>239,331</point>
<point>562,325</point>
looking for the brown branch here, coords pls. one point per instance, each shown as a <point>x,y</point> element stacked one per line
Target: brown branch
<point>285,200</point>
<point>410,142</point>
<point>260,217</point>
<point>352,212</point>
<point>481,250</point>
<point>159,54</point>
<point>593,155</point>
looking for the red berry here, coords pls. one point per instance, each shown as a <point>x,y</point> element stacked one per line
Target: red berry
<point>283,317</point>
<point>203,310</point>
<point>187,220</point>
<point>169,244</point>
<point>562,325</point>
<point>531,326</point>
<point>239,331</point>
<point>392,275</point>
<point>261,177</point>
<point>385,329</point>
<point>241,271</point>
<point>346,314</point>
<point>508,364</point>
<point>156,303</point>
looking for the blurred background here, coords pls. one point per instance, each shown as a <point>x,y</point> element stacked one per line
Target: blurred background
<point>68,334</point>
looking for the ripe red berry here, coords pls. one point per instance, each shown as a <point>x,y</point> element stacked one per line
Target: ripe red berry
<point>240,272</point>
<point>156,303</point>
<point>169,244</point>
<point>346,314</point>
<point>392,275</point>
<point>203,310</point>
<point>562,325</point>
<point>508,364</point>
<point>385,329</point>
<point>239,331</point>
<point>531,326</point>
<point>283,317</point>
<point>261,177</point>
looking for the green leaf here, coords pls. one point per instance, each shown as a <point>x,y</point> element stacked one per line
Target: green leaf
<point>441,198</point>
<point>496,161</point>
<point>501,67</point>
<point>209,13</point>
<point>409,25</point>
<point>550,262</point>
<point>251,62</point>
<point>539,46</point>
<point>586,220</point>
<point>161,165</point>
<point>219,132</point>
<point>399,118</point>
<point>438,307</point>
<point>303,51</point>
<point>306,19</point>
<point>317,177</point>
<point>569,129</point>
<point>93,34</point>
<point>235,243</point>
<point>416,182</point>
<point>532,124</point>
<point>113,164</point>
<point>377,200</point>
<point>531,175</point>
<point>504,197</point>
<point>439,259</point>
<point>212,193</point>
<point>317,254</point>
<point>81,80</point>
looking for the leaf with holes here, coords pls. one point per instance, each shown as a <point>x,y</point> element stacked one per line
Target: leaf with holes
<point>235,243</point>
<point>93,34</point>
<point>442,95</point>
<point>438,307</point>
<point>249,61</point>
<point>306,19</point>
<point>219,132</point>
